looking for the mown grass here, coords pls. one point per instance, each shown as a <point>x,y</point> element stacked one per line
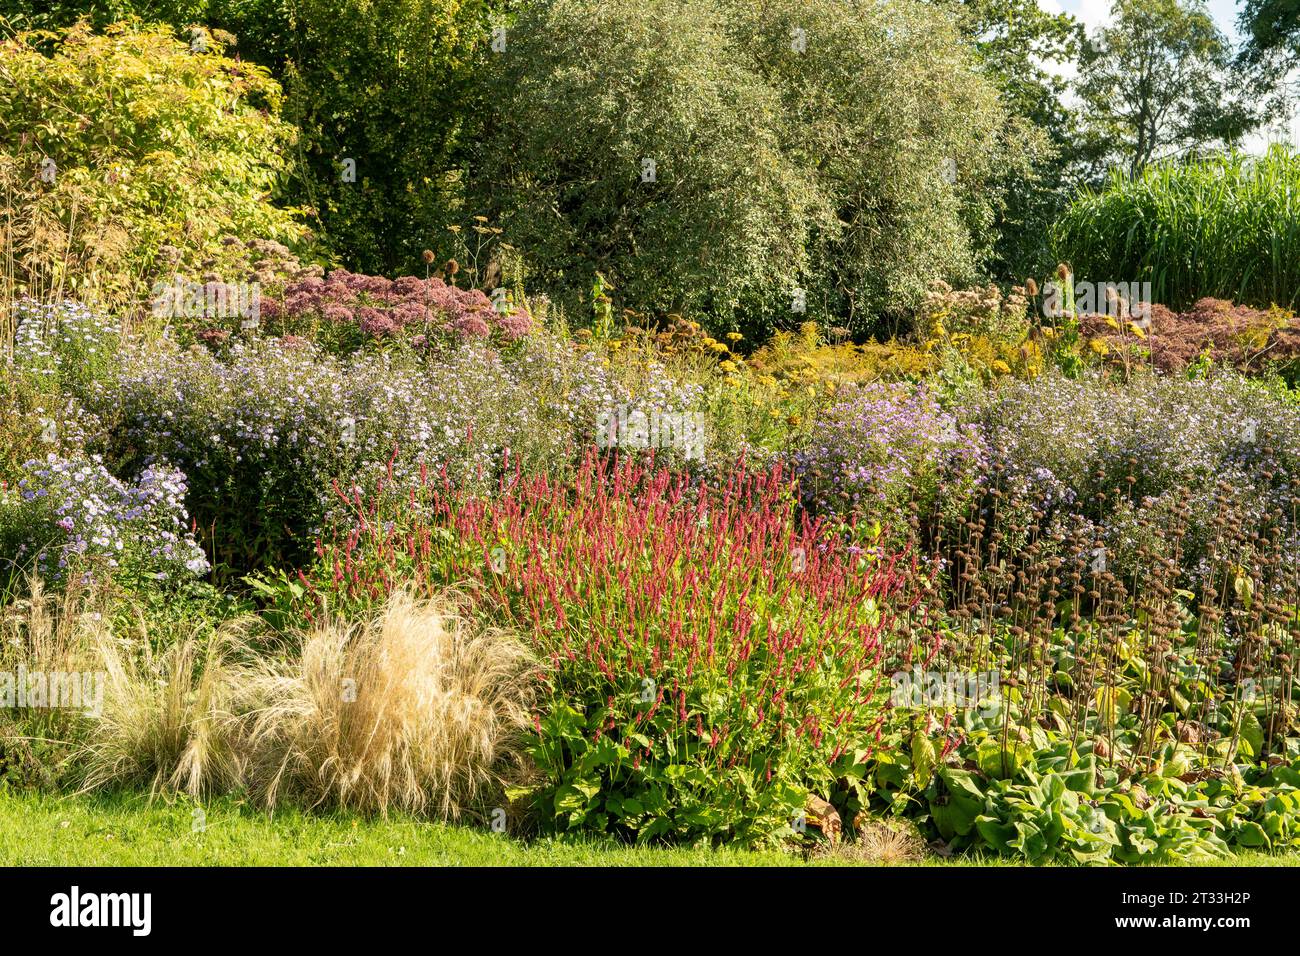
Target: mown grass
<point>129,830</point>
<point>122,830</point>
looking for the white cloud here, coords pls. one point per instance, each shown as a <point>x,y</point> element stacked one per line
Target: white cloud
<point>1093,14</point>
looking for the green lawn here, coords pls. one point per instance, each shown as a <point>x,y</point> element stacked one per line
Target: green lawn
<point>46,830</point>
<point>130,831</point>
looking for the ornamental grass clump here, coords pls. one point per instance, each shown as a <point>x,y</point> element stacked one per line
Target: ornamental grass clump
<point>711,657</point>
<point>111,698</point>
<point>413,709</point>
<point>1222,226</point>
<point>50,691</point>
<point>170,720</point>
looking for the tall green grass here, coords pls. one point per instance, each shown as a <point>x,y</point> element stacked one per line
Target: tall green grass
<point>1226,226</point>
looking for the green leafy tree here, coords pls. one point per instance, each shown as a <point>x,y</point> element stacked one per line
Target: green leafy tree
<point>1017,41</point>
<point>631,139</point>
<point>380,90</point>
<point>260,26</point>
<point>831,154</point>
<point>1272,31</point>
<point>908,142</point>
<point>1024,49</point>
<point>1271,49</point>
<point>1158,81</point>
<point>116,144</point>
<point>381,84</point>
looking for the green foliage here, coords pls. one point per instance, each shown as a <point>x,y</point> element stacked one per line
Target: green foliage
<point>1013,40</point>
<point>1157,81</point>
<point>1062,805</point>
<point>602,785</point>
<point>384,83</point>
<point>632,140</point>
<point>1224,226</point>
<point>118,144</point>
<point>56,14</point>
<point>34,422</point>
<point>905,138</point>
<point>1043,799</point>
<point>794,147</point>
<point>1271,28</point>
<point>699,681</point>
<point>261,27</point>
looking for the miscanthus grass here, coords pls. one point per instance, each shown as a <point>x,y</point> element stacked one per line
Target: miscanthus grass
<point>1226,226</point>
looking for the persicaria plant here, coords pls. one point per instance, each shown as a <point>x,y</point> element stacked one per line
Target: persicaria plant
<point>712,655</point>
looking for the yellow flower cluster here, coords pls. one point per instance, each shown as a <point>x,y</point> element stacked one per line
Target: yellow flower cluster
<point>987,332</point>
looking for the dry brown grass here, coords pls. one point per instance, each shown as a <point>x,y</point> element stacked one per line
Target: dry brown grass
<point>414,710</point>
<point>881,843</point>
<point>169,720</point>
<point>49,632</point>
<point>45,633</point>
<point>164,718</point>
